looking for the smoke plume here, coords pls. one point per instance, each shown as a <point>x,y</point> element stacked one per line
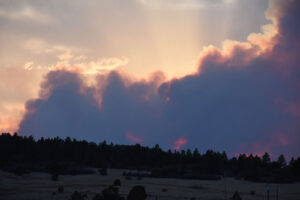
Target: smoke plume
<point>244,98</point>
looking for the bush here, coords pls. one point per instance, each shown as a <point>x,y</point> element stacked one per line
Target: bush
<point>117,182</point>
<point>102,171</point>
<point>78,196</point>
<point>252,192</point>
<point>98,197</point>
<point>54,177</point>
<point>111,193</point>
<point>60,189</point>
<point>137,193</point>
<point>164,190</point>
<point>236,196</point>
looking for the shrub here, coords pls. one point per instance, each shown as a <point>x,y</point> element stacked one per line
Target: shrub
<point>54,177</point>
<point>98,197</point>
<point>111,193</point>
<point>252,192</point>
<point>117,182</point>
<point>164,190</point>
<point>60,189</point>
<point>102,171</point>
<point>236,196</point>
<point>78,196</point>
<point>137,193</point>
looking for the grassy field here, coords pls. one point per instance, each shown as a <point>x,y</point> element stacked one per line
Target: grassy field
<point>39,186</point>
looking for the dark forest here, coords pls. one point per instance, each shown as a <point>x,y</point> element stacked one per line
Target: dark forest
<point>22,154</point>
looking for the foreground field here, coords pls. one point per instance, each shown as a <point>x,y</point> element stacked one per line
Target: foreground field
<point>37,186</point>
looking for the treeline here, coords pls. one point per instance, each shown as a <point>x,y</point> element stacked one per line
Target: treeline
<point>69,156</point>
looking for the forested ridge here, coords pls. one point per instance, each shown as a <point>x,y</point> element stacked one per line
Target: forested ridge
<point>69,156</point>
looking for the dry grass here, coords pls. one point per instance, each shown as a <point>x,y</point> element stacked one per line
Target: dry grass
<point>37,186</point>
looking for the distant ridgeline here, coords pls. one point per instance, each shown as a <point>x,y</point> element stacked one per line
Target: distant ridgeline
<point>21,154</point>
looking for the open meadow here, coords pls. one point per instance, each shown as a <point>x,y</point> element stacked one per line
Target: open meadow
<point>37,186</point>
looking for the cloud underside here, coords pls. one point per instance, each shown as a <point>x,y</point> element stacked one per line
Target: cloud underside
<point>244,98</point>
<point>186,4</point>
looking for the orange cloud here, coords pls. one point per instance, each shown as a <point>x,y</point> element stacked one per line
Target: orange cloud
<point>239,54</point>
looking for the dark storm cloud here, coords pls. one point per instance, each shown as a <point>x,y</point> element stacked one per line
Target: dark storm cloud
<point>68,108</point>
<point>242,99</point>
<point>62,109</point>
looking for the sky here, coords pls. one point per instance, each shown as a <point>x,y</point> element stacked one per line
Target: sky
<point>211,74</point>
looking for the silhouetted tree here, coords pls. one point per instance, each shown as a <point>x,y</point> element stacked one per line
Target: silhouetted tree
<point>266,158</point>
<point>137,193</point>
<point>281,161</point>
<point>22,154</point>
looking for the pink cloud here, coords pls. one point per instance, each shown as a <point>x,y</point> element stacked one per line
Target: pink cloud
<point>294,109</point>
<point>130,136</point>
<point>279,139</point>
<point>179,143</point>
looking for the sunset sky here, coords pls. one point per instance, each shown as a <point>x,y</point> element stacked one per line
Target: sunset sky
<point>211,74</point>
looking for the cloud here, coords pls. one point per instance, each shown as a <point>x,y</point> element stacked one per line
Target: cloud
<point>26,13</point>
<point>39,46</point>
<point>187,4</point>
<point>69,58</point>
<point>69,105</point>
<point>28,66</point>
<point>179,143</point>
<point>67,62</point>
<point>241,98</point>
<point>149,38</point>
<point>131,137</point>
